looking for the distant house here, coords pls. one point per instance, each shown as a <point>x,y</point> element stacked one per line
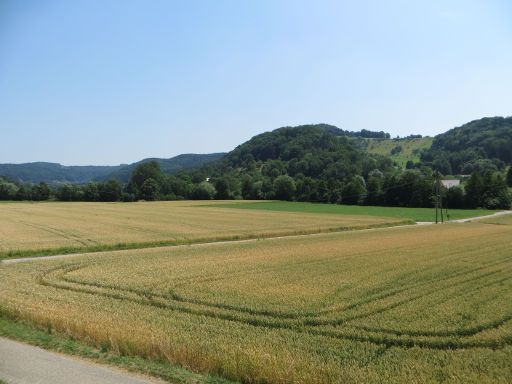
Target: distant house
<point>450,183</point>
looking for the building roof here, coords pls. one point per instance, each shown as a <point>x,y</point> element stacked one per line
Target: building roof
<point>450,183</point>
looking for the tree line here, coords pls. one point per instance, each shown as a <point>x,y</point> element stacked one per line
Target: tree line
<point>407,188</point>
<point>315,163</point>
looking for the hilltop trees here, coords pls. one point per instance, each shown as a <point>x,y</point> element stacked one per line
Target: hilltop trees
<point>464,147</point>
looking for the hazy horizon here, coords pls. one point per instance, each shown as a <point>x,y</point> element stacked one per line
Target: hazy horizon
<point>109,83</point>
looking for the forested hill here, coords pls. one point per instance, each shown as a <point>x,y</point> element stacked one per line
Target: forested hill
<point>306,149</point>
<point>169,166</point>
<point>318,163</point>
<point>480,145</point>
<point>319,160</point>
<point>323,163</point>
<point>54,173</point>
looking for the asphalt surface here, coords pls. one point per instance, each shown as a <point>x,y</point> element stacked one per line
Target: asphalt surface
<point>25,364</point>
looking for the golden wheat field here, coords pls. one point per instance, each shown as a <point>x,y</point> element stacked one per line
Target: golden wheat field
<point>68,227</point>
<point>416,304</point>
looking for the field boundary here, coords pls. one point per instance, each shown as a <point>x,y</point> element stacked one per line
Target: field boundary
<point>77,252</point>
<point>99,249</point>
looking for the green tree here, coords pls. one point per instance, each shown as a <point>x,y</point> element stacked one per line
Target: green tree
<point>91,192</point>
<point>41,192</point>
<point>374,187</point>
<point>8,190</point>
<point>455,197</point>
<point>475,190</point>
<point>251,189</point>
<point>109,191</point>
<point>496,195</point>
<point>143,172</point>
<point>68,192</point>
<point>204,191</point>
<point>354,191</point>
<point>227,188</point>
<point>24,193</point>
<point>149,189</point>
<point>284,187</point>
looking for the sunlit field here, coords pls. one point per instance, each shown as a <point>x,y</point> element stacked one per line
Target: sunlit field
<point>50,228</point>
<point>411,305</point>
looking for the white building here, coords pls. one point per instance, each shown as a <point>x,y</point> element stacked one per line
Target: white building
<point>450,183</point>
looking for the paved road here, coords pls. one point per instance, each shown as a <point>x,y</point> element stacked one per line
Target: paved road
<point>25,364</point>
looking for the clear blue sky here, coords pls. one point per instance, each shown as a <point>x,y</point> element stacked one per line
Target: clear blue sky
<point>109,82</point>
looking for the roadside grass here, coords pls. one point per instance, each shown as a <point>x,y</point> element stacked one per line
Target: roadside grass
<point>416,214</point>
<point>50,340</point>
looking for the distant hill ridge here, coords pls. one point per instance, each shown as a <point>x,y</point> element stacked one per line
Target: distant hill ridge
<point>310,150</point>
<point>170,166</point>
<point>54,173</point>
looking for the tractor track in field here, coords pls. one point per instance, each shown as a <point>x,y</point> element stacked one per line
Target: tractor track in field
<point>338,328</point>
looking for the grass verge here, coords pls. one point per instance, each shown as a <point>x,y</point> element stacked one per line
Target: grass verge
<point>49,340</point>
<point>416,214</point>
<point>125,246</point>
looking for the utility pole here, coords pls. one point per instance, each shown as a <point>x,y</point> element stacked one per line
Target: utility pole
<point>436,174</point>
<point>446,208</point>
<point>441,203</point>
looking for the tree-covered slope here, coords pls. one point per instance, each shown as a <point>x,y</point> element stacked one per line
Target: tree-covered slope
<point>478,145</point>
<point>53,173</point>
<point>169,166</point>
<point>311,162</point>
